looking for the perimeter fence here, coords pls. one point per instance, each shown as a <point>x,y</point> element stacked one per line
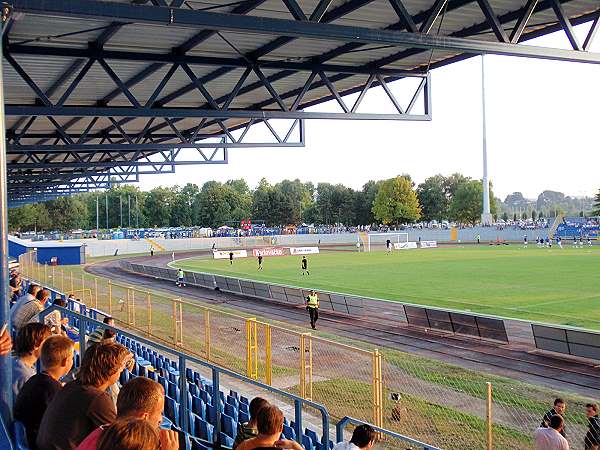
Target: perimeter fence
<point>448,406</point>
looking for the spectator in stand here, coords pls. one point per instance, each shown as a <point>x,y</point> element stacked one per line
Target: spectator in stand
<point>248,429</point>
<point>36,394</point>
<point>143,399</point>
<point>30,294</point>
<point>363,438</point>
<point>592,438</point>
<point>15,284</point>
<point>134,434</point>
<point>98,334</point>
<point>269,423</point>
<point>28,311</point>
<point>550,437</point>
<point>560,406</point>
<point>83,404</point>
<point>28,345</point>
<point>54,319</point>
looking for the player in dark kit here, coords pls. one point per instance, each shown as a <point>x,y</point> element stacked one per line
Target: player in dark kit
<point>231,258</point>
<point>260,262</point>
<point>305,266</point>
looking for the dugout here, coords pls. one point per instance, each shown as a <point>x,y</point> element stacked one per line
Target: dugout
<point>66,253</point>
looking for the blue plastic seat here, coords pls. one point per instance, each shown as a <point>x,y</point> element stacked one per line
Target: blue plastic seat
<point>172,410</point>
<point>211,415</point>
<point>206,397</point>
<point>243,417</point>
<point>232,401</point>
<point>234,394</point>
<point>231,411</point>
<point>226,440</point>
<point>173,390</point>
<point>195,444</point>
<point>312,435</point>
<point>199,407</point>
<point>203,429</point>
<point>246,409</point>
<point>244,400</point>
<point>289,432</point>
<point>228,425</point>
<point>307,443</point>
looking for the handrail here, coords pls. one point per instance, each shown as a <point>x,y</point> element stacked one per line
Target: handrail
<point>217,371</point>
<point>339,430</point>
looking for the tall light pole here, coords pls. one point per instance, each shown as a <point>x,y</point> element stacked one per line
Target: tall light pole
<point>128,211</point>
<point>121,211</point>
<point>486,216</point>
<point>106,208</point>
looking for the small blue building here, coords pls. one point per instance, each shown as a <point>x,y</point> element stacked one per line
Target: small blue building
<point>66,253</point>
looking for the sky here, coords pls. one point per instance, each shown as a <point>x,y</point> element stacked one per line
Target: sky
<point>542,133</point>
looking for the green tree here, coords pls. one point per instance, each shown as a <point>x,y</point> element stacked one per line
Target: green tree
<point>364,202</point>
<point>67,213</point>
<point>524,215</point>
<point>514,217</point>
<point>157,206</point>
<point>533,214</point>
<point>467,203</point>
<point>453,182</point>
<point>433,199</point>
<point>505,216</point>
<point>261,202</point>
<point>596,210</point>
<point>396,202</point>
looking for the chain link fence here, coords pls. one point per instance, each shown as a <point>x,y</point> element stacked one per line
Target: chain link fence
<point>444,405</point>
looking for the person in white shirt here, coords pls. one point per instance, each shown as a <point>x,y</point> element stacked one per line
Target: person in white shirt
<point>550,438</point>
<point>363,438</point>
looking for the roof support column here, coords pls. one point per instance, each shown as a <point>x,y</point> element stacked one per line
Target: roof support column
<point>6,399</point>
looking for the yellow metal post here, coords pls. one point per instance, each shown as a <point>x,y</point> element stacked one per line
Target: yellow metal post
<point>377,390</point>
<point>251,348</point>
<point>62,280</point>
<point>489,422</point>
<point>54,283</point>
<point>110,297</point>
<point>83,288</point>
<point>268,366</point>
<point>72,285</point>
<point>302,367</point>
<point>207,333</point>
<point>310,368</point>
<point>149,309</point>
<point>46,273</point>
<point>96,292</point>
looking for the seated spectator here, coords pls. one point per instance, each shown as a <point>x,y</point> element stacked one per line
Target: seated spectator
<point>83,404</point>
<point>36,394</point>
<point>25,312</point>
<point>269,423</point>
<point>141,398</point>
<point>30,294</point>
<point>97,335</point>
<point>550,438</point>
<point>28,345</point>
<point>248,429</point>
<point>15,284</point>
<point>592,437</point>
<point>54,319</point>
<point>363,438</point>
<point>136,434</point>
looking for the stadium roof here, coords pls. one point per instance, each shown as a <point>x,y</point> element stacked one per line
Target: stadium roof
<point>100,92</point>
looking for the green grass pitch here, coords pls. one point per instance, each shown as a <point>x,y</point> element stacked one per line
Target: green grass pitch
<point>550,285</point>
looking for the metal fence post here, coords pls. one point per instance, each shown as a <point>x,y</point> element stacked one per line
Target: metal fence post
<point>251,348</point>
<point>62,280</point>
<point>489,422</point>
<point>302,367</point>
<point>377,390</point>
<point>310,368</point>
<point>72,285</point>
<point>96,292</point>
<point>207,333</point>
<point>83,288</point>
<point>183,403</point>
<point>53,276</point>
<point>46,273</point>
<point>149,312</point>
<point>110,297</point>
<point>268,364</point>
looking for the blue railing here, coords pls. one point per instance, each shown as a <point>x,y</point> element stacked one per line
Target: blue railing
<point>86,323</point>
<point>339,430</point>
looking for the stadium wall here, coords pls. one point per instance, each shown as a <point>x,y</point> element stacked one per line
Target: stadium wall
<point>120,247</point>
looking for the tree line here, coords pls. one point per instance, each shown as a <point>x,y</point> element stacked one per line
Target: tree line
<point>393,201</point>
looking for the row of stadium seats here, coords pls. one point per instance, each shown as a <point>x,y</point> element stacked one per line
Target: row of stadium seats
<point>201,401</point>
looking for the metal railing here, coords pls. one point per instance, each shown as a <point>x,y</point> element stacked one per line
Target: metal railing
<point>342,424</point>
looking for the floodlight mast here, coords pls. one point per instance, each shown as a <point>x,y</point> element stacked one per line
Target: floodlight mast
<point>486,216</point>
